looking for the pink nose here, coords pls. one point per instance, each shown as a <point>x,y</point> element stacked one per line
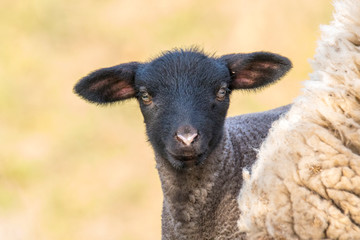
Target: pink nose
<point>186,135</point>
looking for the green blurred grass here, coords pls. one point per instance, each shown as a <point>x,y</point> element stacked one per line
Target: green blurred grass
<point>69,170</point>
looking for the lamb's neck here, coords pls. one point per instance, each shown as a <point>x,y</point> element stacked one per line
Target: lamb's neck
<point>195,195</point>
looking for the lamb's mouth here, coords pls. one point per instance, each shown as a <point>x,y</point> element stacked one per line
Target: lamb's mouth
<point>186,158</point>
<point>184,161</point>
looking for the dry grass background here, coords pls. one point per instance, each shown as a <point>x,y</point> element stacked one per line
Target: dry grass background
<point>73,171</point>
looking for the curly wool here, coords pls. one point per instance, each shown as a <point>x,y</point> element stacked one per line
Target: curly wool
<point>306,182</point>
<point>201,204</point>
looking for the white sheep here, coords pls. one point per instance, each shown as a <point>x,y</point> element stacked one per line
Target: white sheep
<point>306,181</point>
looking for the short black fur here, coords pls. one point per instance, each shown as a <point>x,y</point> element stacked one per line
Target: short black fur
<point>181,88</point>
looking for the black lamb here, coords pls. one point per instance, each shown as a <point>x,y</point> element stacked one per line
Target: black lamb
<point>184,97</point>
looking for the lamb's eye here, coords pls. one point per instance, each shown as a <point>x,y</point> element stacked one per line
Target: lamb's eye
<point>146,98</point>
<point>221,94</point>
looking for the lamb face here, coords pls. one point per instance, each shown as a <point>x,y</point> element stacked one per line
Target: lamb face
<point>183,96</point>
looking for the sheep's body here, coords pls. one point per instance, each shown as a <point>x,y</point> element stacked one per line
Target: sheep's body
<point>306,182</point>
<point>201,204</point>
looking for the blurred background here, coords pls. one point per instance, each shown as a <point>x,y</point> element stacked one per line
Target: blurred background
<point>72,171</point>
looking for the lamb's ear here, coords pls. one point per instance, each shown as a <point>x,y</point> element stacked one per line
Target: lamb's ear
<point>108,85</point>
<point>255,70</point>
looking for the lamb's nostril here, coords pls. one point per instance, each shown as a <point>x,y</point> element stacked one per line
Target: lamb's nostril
<point>187,138</point>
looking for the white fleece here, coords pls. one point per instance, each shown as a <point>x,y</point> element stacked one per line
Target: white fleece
<point>306,181</point>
